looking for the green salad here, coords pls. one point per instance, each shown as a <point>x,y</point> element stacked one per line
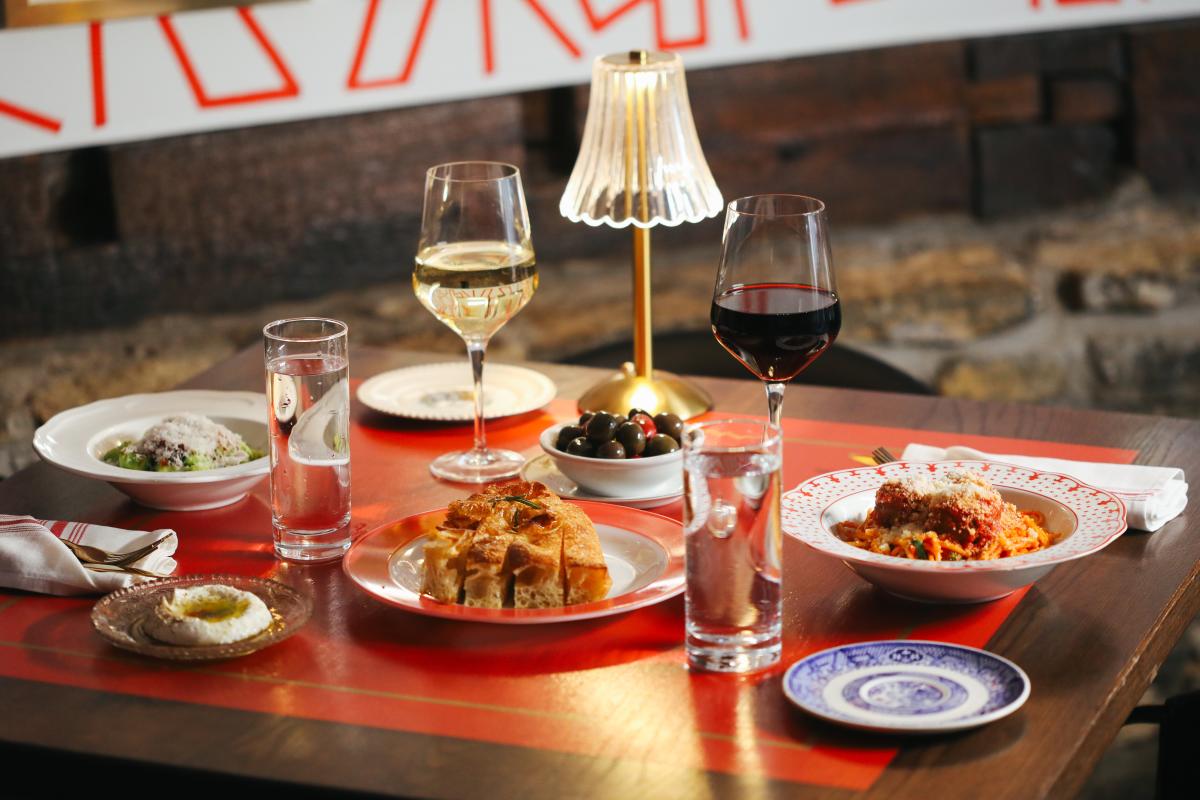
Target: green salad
<point>182,443</point>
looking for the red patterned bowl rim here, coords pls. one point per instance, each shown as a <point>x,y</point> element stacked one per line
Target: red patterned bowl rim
<point>1100,515</point>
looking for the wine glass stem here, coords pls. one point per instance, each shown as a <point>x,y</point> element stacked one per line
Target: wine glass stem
<point>775,401</point>
<point>475,351</point>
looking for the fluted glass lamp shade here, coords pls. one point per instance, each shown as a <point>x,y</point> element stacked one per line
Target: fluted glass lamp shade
<point>640,161</point>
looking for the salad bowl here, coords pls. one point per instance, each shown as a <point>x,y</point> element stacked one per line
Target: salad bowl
<point>75,441</point>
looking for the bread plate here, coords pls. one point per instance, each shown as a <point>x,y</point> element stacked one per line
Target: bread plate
<point>444,392</point>
<point>643,551</point>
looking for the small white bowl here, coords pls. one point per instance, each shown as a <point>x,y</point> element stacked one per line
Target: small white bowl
<point>617,477</point>
<point>1084,518</point>
<point>74,441</point>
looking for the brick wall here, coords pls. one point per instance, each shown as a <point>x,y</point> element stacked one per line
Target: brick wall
<point>224,220</point>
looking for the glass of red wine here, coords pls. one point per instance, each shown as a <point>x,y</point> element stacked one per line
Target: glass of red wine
<point>775,306</point>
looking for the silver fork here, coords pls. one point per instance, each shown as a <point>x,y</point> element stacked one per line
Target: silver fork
<point>126,568</point>
<point>95,555</point>
<point>882,455</point>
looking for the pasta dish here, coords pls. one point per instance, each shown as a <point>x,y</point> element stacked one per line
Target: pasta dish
<point>958,517</point>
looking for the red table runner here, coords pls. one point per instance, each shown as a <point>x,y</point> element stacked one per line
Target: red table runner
<point>612,688</point>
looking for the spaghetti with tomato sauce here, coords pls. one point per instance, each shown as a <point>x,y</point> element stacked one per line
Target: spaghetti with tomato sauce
<point>957,517</point>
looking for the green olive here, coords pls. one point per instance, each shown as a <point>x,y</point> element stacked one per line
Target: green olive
<point>612,449</point>
<point>669,424</point>
<point>601,427</point>
<point>580,446</point>
<point>632,438</point>
<point>660,444</point>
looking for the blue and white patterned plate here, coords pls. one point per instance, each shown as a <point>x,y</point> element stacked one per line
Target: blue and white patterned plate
<point>907,686</point>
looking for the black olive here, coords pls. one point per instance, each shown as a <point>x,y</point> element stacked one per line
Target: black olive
<point>585,417</point>
<point>621,419</point>
<point>611,449</point>
<point>632,438</point>
<point>660,444</point>
<point>669,424</point>
<point>565,434</point>
<point>601,427</point>
<point>633,412</point>
<point>580,446</point>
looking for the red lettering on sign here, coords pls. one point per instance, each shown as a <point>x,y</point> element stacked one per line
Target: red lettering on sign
<point>30,117</point>
<point>288,89</point>
<point>485,11</point>
<point>600,22</point>
<point>554,27</point>
<point>99,105</point>
<point>739,7</point>
<point>355,81</point>
<point>1038,3</point>
<point>701,37</point>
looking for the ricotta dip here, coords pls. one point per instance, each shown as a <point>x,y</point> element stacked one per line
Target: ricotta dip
<point>206,615</point>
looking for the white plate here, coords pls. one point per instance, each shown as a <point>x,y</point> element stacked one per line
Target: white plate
<point>443,392</point>
<point>74,440</point>
<point>543,469</point>
<point>643,551</point>
<point>907,686</point>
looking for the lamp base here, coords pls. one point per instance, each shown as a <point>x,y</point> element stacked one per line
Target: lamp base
<point>662,392</point>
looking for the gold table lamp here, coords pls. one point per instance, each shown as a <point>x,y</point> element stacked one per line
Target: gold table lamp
<point>640,164</point>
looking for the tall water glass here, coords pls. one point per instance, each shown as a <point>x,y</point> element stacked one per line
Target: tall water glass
<point>308,398</point>
<point>734,544</point>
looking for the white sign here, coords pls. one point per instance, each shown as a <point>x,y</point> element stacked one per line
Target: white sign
<point>89,84</point>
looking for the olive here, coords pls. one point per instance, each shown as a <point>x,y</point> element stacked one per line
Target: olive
<point>632,438</point>
<point>586,417</point>
<point>580,446</point>
<point>621,419</point>
<point>660,444</point>
<point>565,434</point>
<point>601,427</point>
<point>669,424</point>
<point>611,449</point>
<point>646,422</point>
<point>633,412</point>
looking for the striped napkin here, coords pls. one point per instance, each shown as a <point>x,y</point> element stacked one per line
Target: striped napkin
<point>1153,496</point>
<point>32,557</point>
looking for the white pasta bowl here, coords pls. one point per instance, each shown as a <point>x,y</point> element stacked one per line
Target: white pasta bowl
<point>74,440</point>
<point>1083,518</point>
<point>617,477</point>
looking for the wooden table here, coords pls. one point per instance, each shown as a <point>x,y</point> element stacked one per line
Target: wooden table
<point>1091,636</point>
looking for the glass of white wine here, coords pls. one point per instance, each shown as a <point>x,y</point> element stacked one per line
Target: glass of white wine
<point>475,270</point>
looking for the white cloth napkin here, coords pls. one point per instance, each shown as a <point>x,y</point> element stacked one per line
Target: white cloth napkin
<point>1153,495</point>
<point>32,557</point>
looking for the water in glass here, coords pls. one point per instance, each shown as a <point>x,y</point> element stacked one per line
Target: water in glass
<point>733,553</point>
<point>309,397</point>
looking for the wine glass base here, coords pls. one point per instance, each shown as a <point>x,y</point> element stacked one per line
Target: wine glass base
<point>477,466</point>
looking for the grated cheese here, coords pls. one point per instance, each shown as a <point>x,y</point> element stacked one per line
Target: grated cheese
<point>171,442</point>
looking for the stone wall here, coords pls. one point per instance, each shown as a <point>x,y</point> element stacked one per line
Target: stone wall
<point>1014,218</point>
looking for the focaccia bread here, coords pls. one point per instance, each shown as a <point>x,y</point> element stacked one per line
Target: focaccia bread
<point>584,572</point>
<point>487,581</point>
<point>515,544</point>
<point>446,563</point>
